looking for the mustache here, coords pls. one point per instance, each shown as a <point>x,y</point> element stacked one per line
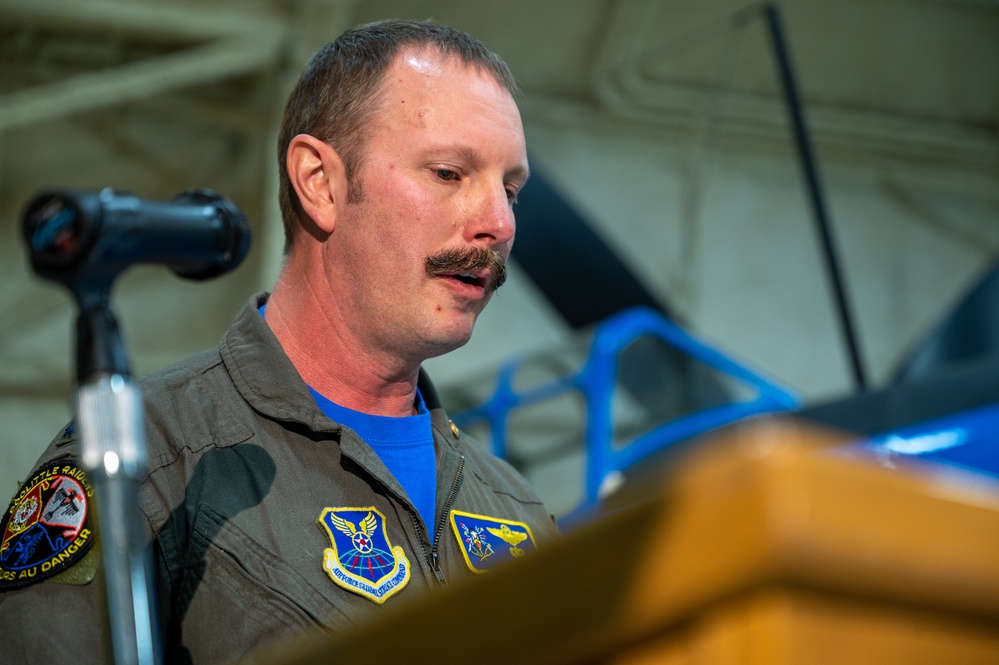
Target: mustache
<point>451,261</point>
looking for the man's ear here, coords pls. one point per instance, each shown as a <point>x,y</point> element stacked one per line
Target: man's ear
<point>318,176</point>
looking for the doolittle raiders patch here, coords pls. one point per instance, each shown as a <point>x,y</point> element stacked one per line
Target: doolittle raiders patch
<point>47,527</point>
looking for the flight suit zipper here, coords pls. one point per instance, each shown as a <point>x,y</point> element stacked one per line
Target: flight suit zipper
<point>431,558</point>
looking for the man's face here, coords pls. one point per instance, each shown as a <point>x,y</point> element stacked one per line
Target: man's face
<point>444,157</point>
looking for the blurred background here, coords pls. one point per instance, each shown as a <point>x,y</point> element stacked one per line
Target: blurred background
<point>659,127</point>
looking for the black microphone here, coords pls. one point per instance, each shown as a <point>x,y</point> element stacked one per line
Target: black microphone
<point>83,235</point>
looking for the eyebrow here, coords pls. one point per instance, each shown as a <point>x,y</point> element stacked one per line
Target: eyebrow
<point>520,174</point>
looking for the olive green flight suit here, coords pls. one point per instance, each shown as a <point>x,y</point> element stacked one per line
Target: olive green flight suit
<point>242,465</point>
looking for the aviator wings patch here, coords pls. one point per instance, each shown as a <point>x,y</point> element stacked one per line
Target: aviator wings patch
<point>487,541</point>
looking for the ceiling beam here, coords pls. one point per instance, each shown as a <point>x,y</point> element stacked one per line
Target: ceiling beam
<point>219,46</point>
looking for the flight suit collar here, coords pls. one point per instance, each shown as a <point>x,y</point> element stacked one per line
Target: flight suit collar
<point>264,375</point>
<point>269,382</point>
<point>266,378</point>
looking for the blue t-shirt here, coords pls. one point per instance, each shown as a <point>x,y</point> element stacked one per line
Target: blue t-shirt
<point>405,445</point>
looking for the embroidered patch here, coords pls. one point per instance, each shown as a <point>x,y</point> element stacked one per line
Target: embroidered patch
<point>46,528</point>
<point>488,541</point>
<point>362,559</point>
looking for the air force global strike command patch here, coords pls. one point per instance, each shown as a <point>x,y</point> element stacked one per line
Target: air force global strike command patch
<point>488,541</point>
<point>47,527</point>
<point>362,559</point>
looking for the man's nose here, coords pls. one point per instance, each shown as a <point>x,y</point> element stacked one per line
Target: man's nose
<point>493,221</point>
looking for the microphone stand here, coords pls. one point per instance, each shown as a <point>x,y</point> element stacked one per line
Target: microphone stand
<point>84,241</point>
<point>109,413</point>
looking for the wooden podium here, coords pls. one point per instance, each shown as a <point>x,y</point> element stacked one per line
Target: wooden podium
<point>769,546</point>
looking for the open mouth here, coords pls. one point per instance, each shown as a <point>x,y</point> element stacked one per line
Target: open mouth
<point>481,268</point>
<point>469,278</point>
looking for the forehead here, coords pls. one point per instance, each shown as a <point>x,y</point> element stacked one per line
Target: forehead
<point>435,108</point>
<point>423,86</point>
<point>425,65</point>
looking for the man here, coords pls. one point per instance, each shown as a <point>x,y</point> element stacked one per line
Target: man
<point>304,473</point>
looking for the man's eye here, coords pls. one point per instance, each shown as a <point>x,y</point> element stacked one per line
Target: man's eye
<point>446,174</point>
<point>511,195</point>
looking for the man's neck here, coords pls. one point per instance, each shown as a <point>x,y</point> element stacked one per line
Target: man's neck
<point>333,361</point>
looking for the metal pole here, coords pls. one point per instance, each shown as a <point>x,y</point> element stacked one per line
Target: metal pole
<point>109,411</point>
<point>814,188</point>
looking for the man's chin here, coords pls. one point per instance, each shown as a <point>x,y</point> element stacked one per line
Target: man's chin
<point>448,338</point>
<point>440,347</point>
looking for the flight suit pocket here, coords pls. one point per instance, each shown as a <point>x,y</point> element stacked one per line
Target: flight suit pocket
<point>236,595</point>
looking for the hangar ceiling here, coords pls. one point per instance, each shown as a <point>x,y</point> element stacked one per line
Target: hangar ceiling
<point>158,96</point>
<point>908,77</point>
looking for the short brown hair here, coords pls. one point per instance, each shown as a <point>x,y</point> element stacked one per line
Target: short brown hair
<point>340,88</point>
